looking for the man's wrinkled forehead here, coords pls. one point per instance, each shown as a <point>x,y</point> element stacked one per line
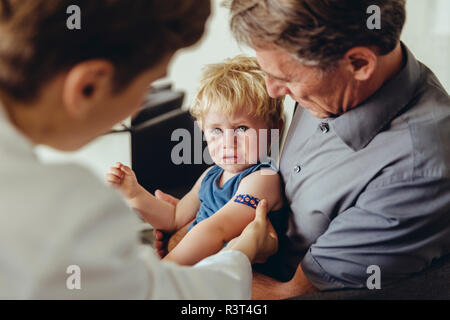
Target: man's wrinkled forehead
<point>278,64</point>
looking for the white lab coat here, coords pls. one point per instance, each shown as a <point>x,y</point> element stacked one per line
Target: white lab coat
<point>55,216</point>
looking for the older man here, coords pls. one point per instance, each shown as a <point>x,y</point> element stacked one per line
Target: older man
<point>366,163</point>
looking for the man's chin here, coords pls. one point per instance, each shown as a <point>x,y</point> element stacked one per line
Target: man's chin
<point>313,111</point>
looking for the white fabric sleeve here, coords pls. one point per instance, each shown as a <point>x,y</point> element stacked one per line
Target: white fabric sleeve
<point>226,275</point>
<point>92,227</point>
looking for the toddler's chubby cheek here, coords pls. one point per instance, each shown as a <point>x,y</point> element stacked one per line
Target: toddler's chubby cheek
<point>216,154</point>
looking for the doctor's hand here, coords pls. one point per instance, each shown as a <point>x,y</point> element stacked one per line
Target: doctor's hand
<point>258,241</point>
<point>122,177</point>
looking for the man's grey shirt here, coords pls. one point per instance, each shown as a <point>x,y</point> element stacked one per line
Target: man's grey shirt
<point>372,186</point>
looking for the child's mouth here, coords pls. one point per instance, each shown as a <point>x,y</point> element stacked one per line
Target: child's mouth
<point>229,159</point>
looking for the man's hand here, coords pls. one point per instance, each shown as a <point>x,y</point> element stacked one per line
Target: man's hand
<point>160,243</point>
<point>258,241</point>
<point>266,288</point>
<point>166,197</point>
<point>162,238</point>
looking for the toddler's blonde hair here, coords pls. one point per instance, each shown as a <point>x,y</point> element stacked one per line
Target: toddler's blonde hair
<point>234,85</point>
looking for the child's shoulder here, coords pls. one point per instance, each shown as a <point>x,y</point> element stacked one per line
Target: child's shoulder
<point>198,183</point>
<point>207,170</point>
<point>263,177</point>
<point>263,184</point>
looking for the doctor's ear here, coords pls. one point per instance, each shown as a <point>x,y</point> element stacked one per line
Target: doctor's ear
<point>86,85</point>
<point>361,62</point>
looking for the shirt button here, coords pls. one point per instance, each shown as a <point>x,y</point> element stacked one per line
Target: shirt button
<point>297,169</point>
<point>324,127</point>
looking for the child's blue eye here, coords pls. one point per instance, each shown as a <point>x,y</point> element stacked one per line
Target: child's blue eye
<point>217,131</point>
<point>241,129</point>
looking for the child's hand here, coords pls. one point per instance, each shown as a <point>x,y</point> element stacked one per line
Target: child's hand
<point>122,177</point>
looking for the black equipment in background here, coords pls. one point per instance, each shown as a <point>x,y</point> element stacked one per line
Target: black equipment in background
<point>151,145</point>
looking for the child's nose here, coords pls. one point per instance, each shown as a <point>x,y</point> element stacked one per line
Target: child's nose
<point>229,139</point>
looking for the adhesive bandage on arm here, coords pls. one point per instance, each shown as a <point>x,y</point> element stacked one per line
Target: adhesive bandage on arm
<point>247,200</point>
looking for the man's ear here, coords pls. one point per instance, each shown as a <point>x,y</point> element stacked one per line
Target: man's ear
<point>361,62</point>
<point>85,85</point>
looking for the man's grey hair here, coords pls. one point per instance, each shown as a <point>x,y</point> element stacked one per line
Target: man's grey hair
<point>316,32</point>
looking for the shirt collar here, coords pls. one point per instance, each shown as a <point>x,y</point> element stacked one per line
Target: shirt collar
<point>358,126</point>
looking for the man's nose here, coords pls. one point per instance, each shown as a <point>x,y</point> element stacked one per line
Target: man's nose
<point>275,89</point>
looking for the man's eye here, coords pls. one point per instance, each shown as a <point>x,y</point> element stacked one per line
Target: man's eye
<point>217,131</point>
<point>241,129</point>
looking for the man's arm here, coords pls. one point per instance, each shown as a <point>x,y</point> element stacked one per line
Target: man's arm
<point>398,227</point>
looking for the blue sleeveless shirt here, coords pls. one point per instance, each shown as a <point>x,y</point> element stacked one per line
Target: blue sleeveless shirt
<point>213,198</point>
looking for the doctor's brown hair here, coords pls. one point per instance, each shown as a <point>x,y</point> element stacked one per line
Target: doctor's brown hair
<point>317,32</point>
<point>36,44</point>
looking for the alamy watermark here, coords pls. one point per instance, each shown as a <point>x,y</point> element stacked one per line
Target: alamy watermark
<point>374,280</point>
<point>374,20</point>
<point>73,22</point>
<point>250,147</point>
<point>74,280</point>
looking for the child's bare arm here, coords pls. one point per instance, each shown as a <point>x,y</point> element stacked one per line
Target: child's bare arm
<point>157,212</point>
<point>209,236</point>
<point>160,214</point>
<point>186,208</point>
<point>154,211</point>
